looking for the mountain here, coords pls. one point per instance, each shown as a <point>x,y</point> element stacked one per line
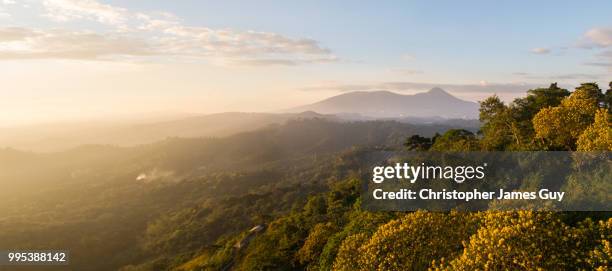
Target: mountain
<point>433,107</point>
<point>385,104</point>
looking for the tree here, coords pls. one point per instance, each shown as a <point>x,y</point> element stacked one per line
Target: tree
<point>527,107</point>
<point>598,136</point>
<point>528,240</point>
<point>496,124</point>
<point>490,108</point>
<point>409,243</point>
<point>559,127</point>
<point>418,143</point>
<point>349,254</point>
<point>600,258</point>
<point>456,140</point>
<point>313,245</point>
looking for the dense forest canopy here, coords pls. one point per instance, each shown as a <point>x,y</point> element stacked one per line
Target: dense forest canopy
<point>286,197</point>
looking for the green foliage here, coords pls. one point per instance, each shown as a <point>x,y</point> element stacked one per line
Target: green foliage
<point>456,140</point>
<point>419,143</point>
<point>559,127</point>
<point>314,243</point>
<point>198,193</point>
<point>409,243</point>
<point>497,124</point>
<point>510,127</point>
<point>359,222</point>
<point>527,107</point>
<point>302,180</point>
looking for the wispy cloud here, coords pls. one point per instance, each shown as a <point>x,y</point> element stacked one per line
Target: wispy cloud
<point>603,59</point>
<point>576,76</point>
<point>3,13</point>
<point>138,34</point>
<point>408,57</point>
<point>480,87</point>
<point>9,34</point>
<point>406,71</point>
<point>540,51</point>
<point>275,62</point>
<point>566,76</point>
<point>25,43</point>
<point>67,10</point>
<point>599,37</point>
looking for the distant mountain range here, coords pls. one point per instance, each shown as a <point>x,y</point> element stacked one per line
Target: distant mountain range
<point>435,107</point>
<point>436,103</point>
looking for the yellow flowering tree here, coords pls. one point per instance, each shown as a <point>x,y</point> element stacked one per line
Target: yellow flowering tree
<point>600,258</point>
<point>408,243</point>
<point>561,126</point>
<point>350,253</point>
<point>598,136</point>
<point>525,240</point>
<point>316,240</point>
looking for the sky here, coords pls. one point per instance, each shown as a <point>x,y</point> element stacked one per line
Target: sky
<point>66,60</point>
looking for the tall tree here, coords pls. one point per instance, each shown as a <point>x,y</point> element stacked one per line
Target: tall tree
<point>456,140</point>
<point>496,124</point>
<point>559,127</point>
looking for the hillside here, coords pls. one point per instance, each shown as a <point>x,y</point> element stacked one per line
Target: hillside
<point>184,203</point>
<point>171,199</point>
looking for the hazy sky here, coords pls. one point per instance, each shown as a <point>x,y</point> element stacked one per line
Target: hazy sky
<point>78,59</point>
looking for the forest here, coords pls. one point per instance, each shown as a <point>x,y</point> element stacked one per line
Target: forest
<point>287,197</point>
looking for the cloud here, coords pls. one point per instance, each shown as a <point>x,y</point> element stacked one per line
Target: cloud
<point>9,34</point>
<point>567,76</point>
<point>603,59</point>
<point>599,64</point>
<point>67,10</point>
<point>540,51</point>
<point>24,43</point>
<point>576,76</point>
<point>138,34</point>
<point>407,57</point>
<point>599,37</point>
<point>4,14</point>
<point>206,41</point>
<point>521,73</point>
<point>480,87</point>
<point>404,71</point>
<point>265,62</point>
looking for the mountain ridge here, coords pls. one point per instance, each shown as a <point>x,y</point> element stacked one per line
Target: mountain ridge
<point>386,104</point>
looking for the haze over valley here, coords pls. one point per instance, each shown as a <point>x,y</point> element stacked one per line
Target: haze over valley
<point>435,107</point>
